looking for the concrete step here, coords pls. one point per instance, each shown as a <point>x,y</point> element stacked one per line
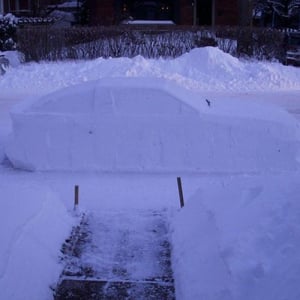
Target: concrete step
<point>105,290</point>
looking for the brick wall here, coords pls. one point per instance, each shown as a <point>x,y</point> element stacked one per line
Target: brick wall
<point>185,12</point>
<point>226,12</point>
<point>101,12</point>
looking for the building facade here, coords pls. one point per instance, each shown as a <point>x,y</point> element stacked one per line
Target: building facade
<point>17,6</point>
<point>1,7</point>
<point>25,7</point>
<point>181,12</point>
<point>112,12</point>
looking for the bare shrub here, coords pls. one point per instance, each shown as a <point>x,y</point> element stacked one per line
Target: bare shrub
<point>258,43</point>
<point>48,43</point>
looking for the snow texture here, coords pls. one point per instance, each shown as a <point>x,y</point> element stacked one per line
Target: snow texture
<point>239,234</point>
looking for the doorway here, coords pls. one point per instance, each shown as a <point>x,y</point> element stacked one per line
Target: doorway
<point>204,12</point>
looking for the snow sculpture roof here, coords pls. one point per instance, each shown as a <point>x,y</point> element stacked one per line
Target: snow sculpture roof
<point>114,96</point>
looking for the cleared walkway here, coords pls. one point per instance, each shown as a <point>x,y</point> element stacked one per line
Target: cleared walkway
<point>118,255</point>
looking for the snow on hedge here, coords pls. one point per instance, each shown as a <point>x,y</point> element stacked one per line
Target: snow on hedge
<point>149,125</point>
<point>8,25</point>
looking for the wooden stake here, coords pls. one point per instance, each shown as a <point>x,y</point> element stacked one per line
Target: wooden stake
<point>76,199</point>
<point>179,184</point>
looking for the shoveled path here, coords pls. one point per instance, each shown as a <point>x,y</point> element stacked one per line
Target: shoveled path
<point>118,255</point>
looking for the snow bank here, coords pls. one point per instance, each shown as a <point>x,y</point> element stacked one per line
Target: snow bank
<point>148,125</point>
<point>14,57</point>
<point>205,69</point>
<point>239,240</point>
<point>33,225</point>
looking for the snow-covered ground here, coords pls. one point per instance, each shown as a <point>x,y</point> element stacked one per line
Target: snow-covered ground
<point>238,235</point>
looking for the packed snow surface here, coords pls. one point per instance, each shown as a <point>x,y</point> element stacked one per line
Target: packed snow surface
<point>238,235</point>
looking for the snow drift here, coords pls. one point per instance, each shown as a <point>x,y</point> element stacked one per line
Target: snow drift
<point>202,69</point>
<point>239,239</point>
<point>31,238</point>
<point>149,125</point>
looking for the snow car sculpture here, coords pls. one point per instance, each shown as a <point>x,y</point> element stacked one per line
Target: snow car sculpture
<point>130,124</point>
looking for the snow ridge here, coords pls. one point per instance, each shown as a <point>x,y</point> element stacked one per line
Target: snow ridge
<point>205,69</point>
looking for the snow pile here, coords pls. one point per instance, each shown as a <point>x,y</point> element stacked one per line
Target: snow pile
<point>239,240</point>
<point>30,239</point>
<point>205,69</point>
<point>149,125</point>
<point>62,15</point>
